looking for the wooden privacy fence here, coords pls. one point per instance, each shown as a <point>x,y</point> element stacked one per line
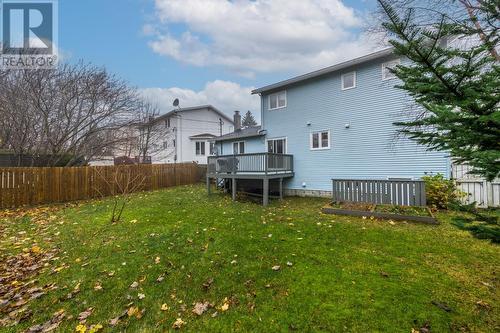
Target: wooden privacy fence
<point>395,192</point>
<point>33,186</point>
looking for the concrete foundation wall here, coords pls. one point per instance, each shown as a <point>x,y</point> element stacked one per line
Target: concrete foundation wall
<point>307,193</point>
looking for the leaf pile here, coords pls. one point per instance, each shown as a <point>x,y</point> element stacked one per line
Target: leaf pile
<point>15,294</point>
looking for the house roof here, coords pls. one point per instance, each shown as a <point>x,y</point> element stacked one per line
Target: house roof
<point>210,107</point>
<point>203,136</point>
<point>245,132</point>
<point>326,70</point>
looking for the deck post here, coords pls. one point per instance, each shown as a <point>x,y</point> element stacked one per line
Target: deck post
<point>281,188</point>
<point>234,189</point>
<point>265,200</point>
<point>208,185</point>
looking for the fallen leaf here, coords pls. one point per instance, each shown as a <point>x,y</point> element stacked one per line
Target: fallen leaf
<point>442,306</point>
<point>276,268</point>
<point>141,296</point>
<point>84,315</point>
<point>178,323</point>
<point>134,285</point>
<point>164,307</point>
<point>200,308</point>
<point>157,260</point>
<point>207,284</point>
<point>483,304</point>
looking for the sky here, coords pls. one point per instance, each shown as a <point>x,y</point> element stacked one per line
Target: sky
<point>212,51</point>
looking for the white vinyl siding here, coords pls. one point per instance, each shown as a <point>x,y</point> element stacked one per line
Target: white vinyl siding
<point>348,80</point>
<point>320,140</point>
<point>386,66</point>
<point>277,100</point>
<point>200,148</point>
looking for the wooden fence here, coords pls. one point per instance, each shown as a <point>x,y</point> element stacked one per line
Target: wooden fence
<point>395,192</point>
<point>34,186</point>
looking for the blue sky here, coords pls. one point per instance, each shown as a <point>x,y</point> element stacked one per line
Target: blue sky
<point>198,49</point>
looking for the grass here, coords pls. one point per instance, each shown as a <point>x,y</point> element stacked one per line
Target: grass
<point>343,273</point>
<point>402,210</point>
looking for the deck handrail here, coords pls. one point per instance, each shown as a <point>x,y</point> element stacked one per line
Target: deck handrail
<point>265,163</point>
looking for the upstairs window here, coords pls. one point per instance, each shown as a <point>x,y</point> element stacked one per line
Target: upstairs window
<point>167,123</point>
<point>211,148</point>
<point>277,100</point>
<point>200,148</point>
<point>320,140</point>
<point>348,80</point>
<point>386,69</point>
<point>239,147</point>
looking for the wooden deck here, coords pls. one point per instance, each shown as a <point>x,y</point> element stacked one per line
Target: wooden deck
<point>259,166</point>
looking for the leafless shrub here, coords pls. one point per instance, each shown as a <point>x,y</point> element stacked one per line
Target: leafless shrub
<point>120,185</point>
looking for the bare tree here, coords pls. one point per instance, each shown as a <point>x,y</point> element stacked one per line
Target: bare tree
<point>64,114</point>
<point>150,132</point>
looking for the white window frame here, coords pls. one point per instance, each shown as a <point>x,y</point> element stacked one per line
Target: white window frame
<point>203,151</point>
<point>277,104</point>
<point>167,122</point>
<point>395,62</point>
<point>354,81</point>
<point>244,147</point>
<point>280,138</point>
<point>211,148</point>
<point>319,140</point>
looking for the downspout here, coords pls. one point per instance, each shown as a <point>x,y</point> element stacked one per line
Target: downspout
<point>261,112</point>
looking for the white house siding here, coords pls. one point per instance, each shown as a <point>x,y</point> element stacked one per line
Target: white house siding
<point>367,149</point>
<point>187,124</point>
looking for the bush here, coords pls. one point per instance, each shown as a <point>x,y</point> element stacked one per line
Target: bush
<point>441,193</point>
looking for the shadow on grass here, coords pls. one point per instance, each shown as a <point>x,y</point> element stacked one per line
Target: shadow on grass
<point>483,224</point>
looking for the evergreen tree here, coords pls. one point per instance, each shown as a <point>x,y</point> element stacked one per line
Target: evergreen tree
<point>456,84</point>
<point>249,120</point>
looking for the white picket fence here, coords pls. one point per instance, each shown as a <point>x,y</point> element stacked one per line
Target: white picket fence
<point>484,193</point>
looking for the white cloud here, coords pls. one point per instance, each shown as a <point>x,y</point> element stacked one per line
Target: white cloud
<point>224,95</point>
<point>248,36</point>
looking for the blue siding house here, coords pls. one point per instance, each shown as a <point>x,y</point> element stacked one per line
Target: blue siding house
<point>338,123</point>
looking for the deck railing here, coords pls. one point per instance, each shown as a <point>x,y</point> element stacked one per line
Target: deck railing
<point>254,163</point>
<point>395,192</point>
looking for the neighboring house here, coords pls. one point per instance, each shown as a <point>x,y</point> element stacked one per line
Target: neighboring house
<point>336,122</point>
<point>188,133</point>
<point>181,135</point>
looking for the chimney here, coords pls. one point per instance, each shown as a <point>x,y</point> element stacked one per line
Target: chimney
<point>237,121</point>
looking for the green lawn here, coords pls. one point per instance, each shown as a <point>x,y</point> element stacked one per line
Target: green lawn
<point>336,273</point>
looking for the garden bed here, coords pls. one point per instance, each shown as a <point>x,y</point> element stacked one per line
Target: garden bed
<point>388,212</point>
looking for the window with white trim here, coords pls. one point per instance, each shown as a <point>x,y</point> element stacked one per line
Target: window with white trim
<point>200,148</point>
<point>320,140</point>
<point>239,147</point>
<point>277,100</point>
<point>212,148</point>
<point>167,123</point>
<point>386,69</point>
<point>348,80</point>
<point>276,146</point>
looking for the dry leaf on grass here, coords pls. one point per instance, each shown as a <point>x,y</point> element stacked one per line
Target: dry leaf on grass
<point>200,308</point>
<point>84,315</point>
<point>178,323</point>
